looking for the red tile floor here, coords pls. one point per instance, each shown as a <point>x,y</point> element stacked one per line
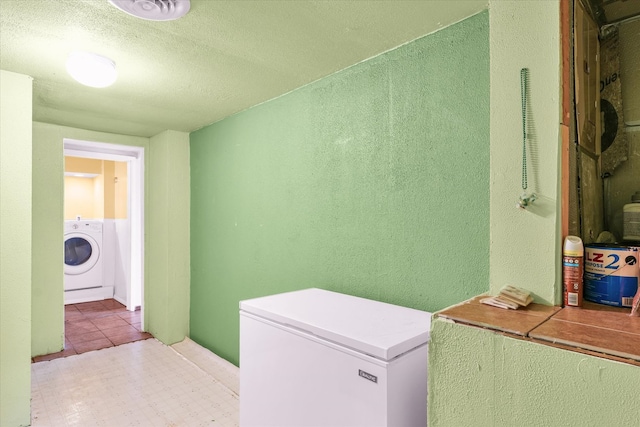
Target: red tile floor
<point>98,324</point>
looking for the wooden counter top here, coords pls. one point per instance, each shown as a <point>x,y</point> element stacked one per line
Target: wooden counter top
<point>594,329</point>
<point>518,322</point>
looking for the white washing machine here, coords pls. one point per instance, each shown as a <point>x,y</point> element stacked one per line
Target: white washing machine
<point>83,259</point>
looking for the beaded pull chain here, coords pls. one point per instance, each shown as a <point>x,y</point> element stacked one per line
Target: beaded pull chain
<point>524,83</point>
<point>525,199</point>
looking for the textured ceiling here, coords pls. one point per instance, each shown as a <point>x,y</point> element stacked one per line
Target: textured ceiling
<point>221,58</point>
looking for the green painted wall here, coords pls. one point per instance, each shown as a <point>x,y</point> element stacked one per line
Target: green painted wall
<point>480,378</point>
<point>161,302</point>
<point>525,245</point>
<point>168,278</point>
<point>494,380</point>
<point>373,181</point>
<point>47,298</point>
<point>15,247</point>
<point>48,225</point>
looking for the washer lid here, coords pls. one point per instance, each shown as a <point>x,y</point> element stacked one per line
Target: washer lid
<point>378,329</point>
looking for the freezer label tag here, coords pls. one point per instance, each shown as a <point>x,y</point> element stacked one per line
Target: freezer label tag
<point>368,376</point>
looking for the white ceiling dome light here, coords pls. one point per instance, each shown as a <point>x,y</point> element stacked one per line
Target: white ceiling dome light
<point>91,69</point>
<point>154,10</point>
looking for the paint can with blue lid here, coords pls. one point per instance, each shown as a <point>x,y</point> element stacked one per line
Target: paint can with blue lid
<point>611,274</point>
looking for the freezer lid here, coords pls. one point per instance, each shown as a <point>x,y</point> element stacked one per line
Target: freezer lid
<point>381,330</point>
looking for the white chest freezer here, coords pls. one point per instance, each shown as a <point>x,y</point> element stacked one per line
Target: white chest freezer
<point>320,358</point>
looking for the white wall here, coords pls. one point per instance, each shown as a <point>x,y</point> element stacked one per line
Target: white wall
<point>108,251</point>
<point>118,246</point>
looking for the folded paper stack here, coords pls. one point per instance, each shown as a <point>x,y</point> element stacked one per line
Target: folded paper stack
<point>510,297</point>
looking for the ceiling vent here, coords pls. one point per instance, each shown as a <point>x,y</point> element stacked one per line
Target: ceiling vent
<point>154,10</point>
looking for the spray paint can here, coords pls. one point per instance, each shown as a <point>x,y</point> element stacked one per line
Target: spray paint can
<point>572,271</point>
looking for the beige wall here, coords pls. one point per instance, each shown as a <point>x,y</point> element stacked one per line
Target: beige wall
<point>108,189</point>
<point>100,197</point>
<point>82,165</point>
<point>79,198</point>
<point>120,208</point>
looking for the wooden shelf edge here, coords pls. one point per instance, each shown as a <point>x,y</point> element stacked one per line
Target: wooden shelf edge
<point>470,313</point>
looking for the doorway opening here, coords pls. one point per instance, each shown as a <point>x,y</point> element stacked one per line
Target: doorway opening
<point>133,242</point>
